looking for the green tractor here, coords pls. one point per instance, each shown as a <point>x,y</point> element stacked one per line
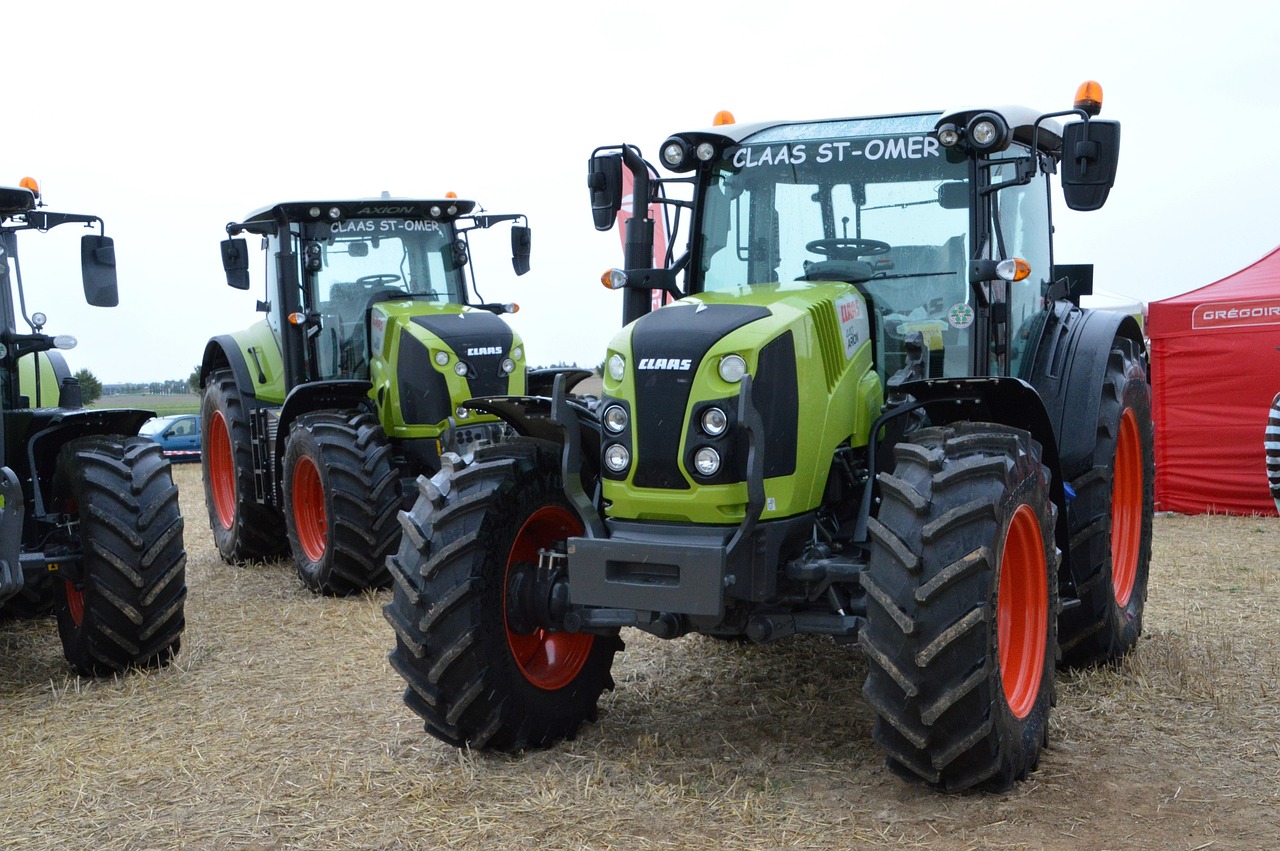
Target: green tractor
<point>318,418</point>
<point>875,411</point>
<point>89,519</point>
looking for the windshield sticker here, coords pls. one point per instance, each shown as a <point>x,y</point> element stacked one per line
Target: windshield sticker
<point>892,148</point>
<point>960,316</point>
<point>854,327</point>
<point>355,226</point>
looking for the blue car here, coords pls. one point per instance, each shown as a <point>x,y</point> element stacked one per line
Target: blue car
<point>178,436</point>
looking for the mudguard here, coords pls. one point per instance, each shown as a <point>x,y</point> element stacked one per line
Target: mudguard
<point>221,352</point>
<point>11,514</point>
<point>1067,371</point>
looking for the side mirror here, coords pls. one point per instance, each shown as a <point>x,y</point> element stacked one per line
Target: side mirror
<point>235,261</point>
<point>521,244</point>
<point>604,179</point>
<point>953,196</point>
<point>98,269</point>
<point>1090,151</point>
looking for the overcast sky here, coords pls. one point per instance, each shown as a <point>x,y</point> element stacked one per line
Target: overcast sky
<point>170,119</point>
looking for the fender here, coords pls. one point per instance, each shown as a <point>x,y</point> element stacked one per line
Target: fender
<point>1008,401</point>
<point>11,514</point>
<point>222,352</point>
<point>1067,372</point>
<point>339,395</point>
<point>48,434</point>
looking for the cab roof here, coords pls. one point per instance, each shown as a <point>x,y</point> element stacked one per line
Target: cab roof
<point>14,200</point>
<point>435,209</point>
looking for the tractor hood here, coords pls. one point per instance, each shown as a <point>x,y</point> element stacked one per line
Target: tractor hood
<point>675,373</point>
<point>427,359</point>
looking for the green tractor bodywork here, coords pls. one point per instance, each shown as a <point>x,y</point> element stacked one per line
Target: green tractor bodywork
<point>874,411</point>
<point>89,521</point>
<point>369,319</point>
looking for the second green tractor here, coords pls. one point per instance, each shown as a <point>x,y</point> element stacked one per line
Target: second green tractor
<point>318,418</point>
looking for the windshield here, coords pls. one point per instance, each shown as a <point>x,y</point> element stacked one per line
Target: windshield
<point>877,203</point>
<point>362,257</point>
<point>348,266</point>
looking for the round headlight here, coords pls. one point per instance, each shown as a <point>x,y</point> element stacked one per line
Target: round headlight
<point>615,418</point>
<point>435,211</point>
<point>314,212</point>
<point>714,422</point>
<point>39,320</point>
<point>461,368</point>
<point>462,413</point>
<point>517,353</point>
<point>616,457</point>
<point>706,151</point>
<point>335,213</point>
<point>442,358</point>
<point>617,367</point>
<point>732,368</point>
<point>673,153</point>
<point>706,461</point>
<point>984,133</point>
<point>948,135</point>
<point>508,365</point>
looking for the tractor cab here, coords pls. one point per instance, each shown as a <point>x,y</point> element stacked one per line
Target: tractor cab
<point>335,260</point>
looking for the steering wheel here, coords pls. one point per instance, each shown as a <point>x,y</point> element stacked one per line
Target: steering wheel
<point>847,247</point>
<point>384,279</point>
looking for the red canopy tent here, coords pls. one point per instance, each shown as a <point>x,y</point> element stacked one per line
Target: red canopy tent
<point>1215,367</point>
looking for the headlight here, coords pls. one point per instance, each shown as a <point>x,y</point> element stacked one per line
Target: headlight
<point>442,358</point>
<point>462,413</point>
<point>517,353</point>
<point>616,457</point>
<point>460,368</point>
<point>673,153</point>
<point>508,365</point>
<point>615,418</point>
<point>617,367</point>
<point>714,422</point>
<point>706,461</point>
<point>732,368</point>
<point>706,151</point>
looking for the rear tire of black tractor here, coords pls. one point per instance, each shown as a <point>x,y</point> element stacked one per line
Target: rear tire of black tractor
<point>127,610</point>
<point>962,599</point>
<point>475,681</point>
<point>341,496</point>
<point>1109,520</point>
<point>244,529</point>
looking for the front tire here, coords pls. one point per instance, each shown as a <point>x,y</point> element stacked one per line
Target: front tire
<point>1110,518</point>
<point>244,529</point>
<point>127,610</point>
<point>474,679</point>
<point>340,495</point>
<point>961,607</point>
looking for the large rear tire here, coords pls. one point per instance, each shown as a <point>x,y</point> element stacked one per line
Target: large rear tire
<point>1110,518</point>
<point>961,607</point>
<point>127,610</point>
<point>243,529</point>
<point>476,681</point>
<point>341,495</point>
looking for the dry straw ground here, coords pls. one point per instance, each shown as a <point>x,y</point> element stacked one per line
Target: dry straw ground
<point>281,726</point>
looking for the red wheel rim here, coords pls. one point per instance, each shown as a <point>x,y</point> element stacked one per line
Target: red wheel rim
<point>1022,612</point>
<point>549,660</point>
<point>222,471</point>
<point>75,603</point>
<point>308,509</point>
<point>1126,509</point>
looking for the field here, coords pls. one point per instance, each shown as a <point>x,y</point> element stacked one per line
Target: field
<point>281,727</point>
<point>178,403</point>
